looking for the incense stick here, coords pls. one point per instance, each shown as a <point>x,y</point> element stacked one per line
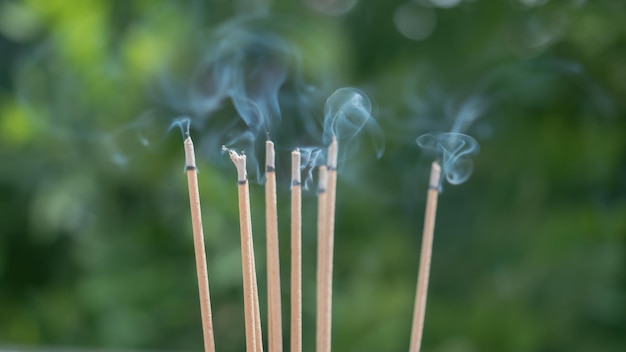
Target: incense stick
<point>424,269</point>
<point>275,330</point>
<point>250,298</point>
<point>330,243</point>
<point>258,333</point>
<point>296,253</point>
<point>198,244</point>
<point>322,254</point>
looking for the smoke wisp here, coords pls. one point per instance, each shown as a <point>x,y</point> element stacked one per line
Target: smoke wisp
<point>455,150</point>
<point>347,112</point>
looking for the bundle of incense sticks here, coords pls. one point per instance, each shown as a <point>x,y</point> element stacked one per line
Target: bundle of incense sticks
<point>325,228</point>
<point>326,199</point>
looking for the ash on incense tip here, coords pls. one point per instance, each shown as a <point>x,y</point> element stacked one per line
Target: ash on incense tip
<point>270,156</point>
<point>435,176</point>
<point>190,155</point>
<point>240,163</point>
<point>295,167</point>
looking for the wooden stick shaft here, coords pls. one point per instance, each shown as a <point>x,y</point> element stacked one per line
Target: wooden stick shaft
<point>327,288</point>
<point>254,337</point>
<point>322,251</point>
<point>275,330</point>
<point>198,244</point>
<point>247,266</point>
<point>296,254</point>
<point>425,257</point>
<point>258,332</point>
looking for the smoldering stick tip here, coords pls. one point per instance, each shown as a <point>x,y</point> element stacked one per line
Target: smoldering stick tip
<point>270,155</point>
<point>240,163</point>
<point>295,166</point>
<point>233,154</point>
<point>190,155</point>
<point>331,158</point>
<point>230,152</point>
<point>435,175</point>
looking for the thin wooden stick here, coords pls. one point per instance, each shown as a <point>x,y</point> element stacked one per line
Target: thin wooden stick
<point>322,250</point>
<point>250,298</point>
<point>329,247</point>
<point>198,244</point>
<point>424,269</point>
<point>275,329</point>
<point>296,253</point>
<point>258,333</point>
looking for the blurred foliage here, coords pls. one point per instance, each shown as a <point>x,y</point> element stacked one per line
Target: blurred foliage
<point>95,236</point>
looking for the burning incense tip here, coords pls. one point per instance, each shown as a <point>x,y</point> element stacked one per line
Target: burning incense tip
<point>295,167</point>
<point>332,154</point>
<point>240,163</point>
<point>435,176</point>
<point>190,158</point>
<point>270,156</point>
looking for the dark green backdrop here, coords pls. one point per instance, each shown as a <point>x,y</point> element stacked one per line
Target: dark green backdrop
<point>529,254</point>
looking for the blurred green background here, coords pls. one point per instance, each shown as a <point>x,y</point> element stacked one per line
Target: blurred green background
<point>529,255</point>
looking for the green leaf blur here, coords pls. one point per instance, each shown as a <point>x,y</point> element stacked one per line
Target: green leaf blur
<point>96,249</point>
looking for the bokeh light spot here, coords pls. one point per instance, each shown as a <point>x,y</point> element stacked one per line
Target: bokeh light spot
<point>532,3</point>
<point>415,22</point>
<point>445,3</point>
<point>18,22</point>
<point>332,7</point>
<point>15,123</point>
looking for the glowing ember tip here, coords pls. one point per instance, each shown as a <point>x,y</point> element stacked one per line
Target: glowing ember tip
<point>239,161</point>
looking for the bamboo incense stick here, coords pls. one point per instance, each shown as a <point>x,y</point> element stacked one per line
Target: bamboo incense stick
<point>330,244</point>
<point>424,269</point>
<point>258,333</point>
<point>275,330</point>
<point>322,254</point>
<point>251,299</point>
<point>296,253</point>
<point>198,244</point>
